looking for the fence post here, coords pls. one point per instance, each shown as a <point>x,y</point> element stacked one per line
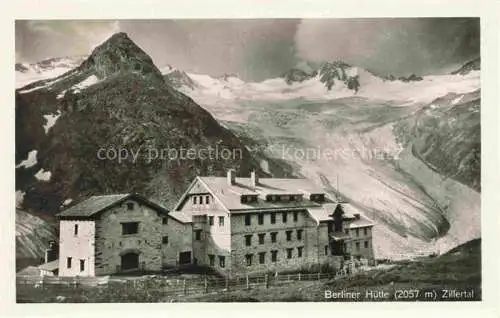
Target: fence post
<point>227,284</point>
<point>266,280</point>
<point>184,287</point>
<point>248,283</point>
<point>206,285</point>
<point>319,273</point>
<point>299,276</point>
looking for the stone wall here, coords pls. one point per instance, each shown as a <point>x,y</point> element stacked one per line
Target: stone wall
<point>110,242</point>
<point>78,247</point>
<point>358,238</point>
<point>179,240</point>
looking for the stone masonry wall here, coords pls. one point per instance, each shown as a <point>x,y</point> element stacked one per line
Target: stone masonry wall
<point>110,241</point>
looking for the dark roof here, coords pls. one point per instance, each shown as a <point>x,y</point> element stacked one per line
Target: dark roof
<point>99,203</point>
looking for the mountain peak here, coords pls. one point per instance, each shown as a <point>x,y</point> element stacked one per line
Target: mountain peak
<point>120,54</point>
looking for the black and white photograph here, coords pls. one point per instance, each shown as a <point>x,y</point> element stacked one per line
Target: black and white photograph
<point>248,160</point>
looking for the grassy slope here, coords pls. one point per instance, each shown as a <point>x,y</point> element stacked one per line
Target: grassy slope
<point>458,269</point>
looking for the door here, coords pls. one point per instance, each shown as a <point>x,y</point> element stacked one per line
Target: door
<point>184,258</point>
<point>130,261</point>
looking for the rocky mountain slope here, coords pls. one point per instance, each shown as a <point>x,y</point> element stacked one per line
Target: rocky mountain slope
<point>33,235</point>
<point>70,129</point>
<point>473,65</point>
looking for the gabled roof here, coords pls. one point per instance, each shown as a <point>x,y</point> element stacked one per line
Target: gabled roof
<point>230,195</point>
<point>99,203</point>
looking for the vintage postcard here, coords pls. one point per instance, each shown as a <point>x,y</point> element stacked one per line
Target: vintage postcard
<point>248,160</point>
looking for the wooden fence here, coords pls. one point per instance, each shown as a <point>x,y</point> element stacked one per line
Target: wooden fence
<point>167,286</point>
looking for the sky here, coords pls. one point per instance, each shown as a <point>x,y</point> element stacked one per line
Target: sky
<point>256,49</point>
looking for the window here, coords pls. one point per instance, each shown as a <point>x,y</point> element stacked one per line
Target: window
<point>207,199</point>
<point>68,262</point>
<point>261,238</point>
<point>289,252</point>
<point>211,260</point>
<point>273,218</point>
<point>130,228</point>
<point>248,259</point>
<point>195,200</point>
<point>299,235</point>
<point>210,220</point>
<point>261,219</point>
<point>274,256</point>
<point>262,257</point>
<point>82,265</point>
<point>347,231</point>
<point>365,230</point>
<point>248,240</point>
<point>197,235</point>
<point>326,249</point>
<point>164,240</point>
<point>357,246</point>
<point>248,219</point>
<point>288,235</point>
<point>222,261</point>
<point>357,232</point>
<point>164,220</point>
<point>273,236</point>
<point>75,230</point>
<point>366,244</point>
<point>221,221</point>
<point>295,216</point>
<point>299,251</point>
<point>130,206</point>
<point>284,217</point>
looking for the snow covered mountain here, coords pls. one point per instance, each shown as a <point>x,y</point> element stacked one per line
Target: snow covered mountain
<point>31,72</point>
<point>405,151</point>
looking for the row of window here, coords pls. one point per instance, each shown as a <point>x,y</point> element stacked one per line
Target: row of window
<point>272,215</point>
<point>249,258</point>
<point>357,245</point>
<point>198,199</point>
<point>220,219</point>
<point>222,260</point>
<point>365,231</point>
<point>69,261</point>
<point>273,235</point>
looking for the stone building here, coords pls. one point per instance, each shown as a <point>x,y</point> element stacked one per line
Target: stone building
<point>118,233</point>
<point>248,225</point>
<point>234,225</point>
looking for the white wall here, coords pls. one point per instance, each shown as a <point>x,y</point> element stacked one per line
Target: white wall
<point>78,247</point>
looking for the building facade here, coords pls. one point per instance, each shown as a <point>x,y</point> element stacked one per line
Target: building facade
<point>249,225</point>
<point>235,226</point>
<point>118,233</point>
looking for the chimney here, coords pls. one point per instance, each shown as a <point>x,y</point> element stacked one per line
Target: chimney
<point>231,177</point>
<point>357,216</point>
<point>254,178</point>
